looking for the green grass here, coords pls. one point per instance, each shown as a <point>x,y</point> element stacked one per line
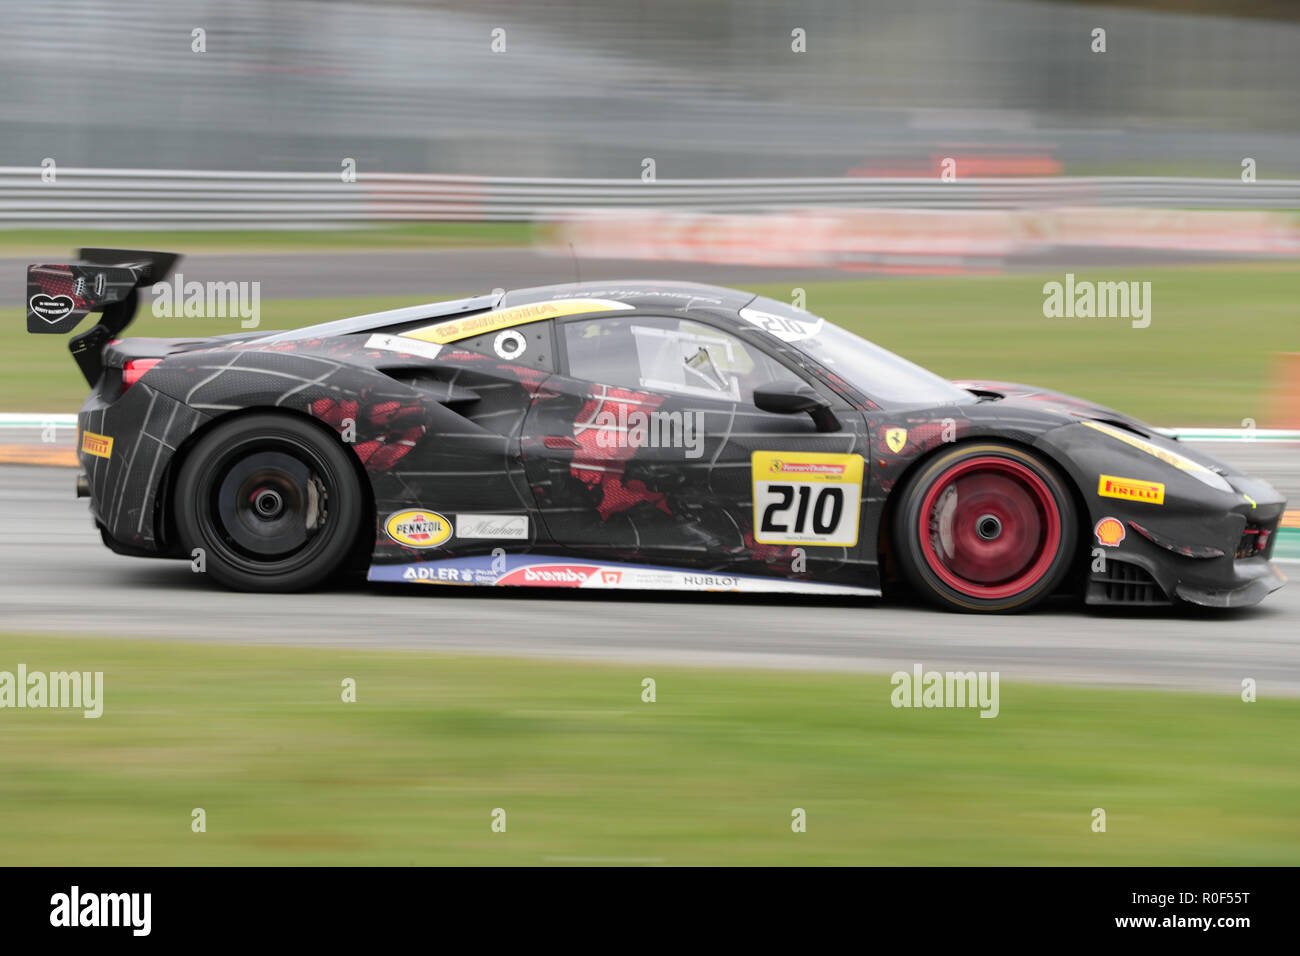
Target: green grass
<point>710,773</point>
<point>42,242</point>
<point>1206,359</point>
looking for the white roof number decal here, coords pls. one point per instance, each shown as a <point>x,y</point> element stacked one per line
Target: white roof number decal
<point>783,327</point>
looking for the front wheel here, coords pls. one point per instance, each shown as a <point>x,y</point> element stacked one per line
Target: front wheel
<point>274,502</point>
<point>986,527</point>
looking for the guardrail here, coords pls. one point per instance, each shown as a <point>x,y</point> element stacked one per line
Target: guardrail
<point>83,197</point>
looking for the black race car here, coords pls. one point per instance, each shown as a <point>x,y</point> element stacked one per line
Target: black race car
<point>652,435</point>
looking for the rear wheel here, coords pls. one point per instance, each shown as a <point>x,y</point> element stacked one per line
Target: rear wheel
<point>273,501</point>
<point>985,527</point>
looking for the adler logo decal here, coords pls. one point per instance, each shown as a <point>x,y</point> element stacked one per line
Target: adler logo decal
<point>1110,532</point>
<point>418,529</point>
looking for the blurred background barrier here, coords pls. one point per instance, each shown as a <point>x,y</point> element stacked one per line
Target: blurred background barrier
<point>705,88</point>
<point>918,241</point>
<point>113,198</point>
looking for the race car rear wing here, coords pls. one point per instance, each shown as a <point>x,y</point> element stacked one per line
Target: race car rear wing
<point>102,280</point>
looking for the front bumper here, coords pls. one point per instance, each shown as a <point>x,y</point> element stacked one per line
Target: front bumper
<point>1256,579</point>
<point>1213,558</point>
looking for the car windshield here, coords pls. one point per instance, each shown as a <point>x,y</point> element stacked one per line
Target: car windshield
<point>872,370</point>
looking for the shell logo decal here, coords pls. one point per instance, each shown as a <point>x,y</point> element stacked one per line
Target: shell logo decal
<point>1110,532</point>
<point>418,529</point>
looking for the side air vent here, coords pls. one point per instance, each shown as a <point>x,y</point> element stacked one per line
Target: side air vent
<point>443,392</point>
<point>1125,426</point>
<point>1129,585</point>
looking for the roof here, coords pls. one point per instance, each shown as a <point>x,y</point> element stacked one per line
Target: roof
<point>569,298</point>
<point>637,293</point>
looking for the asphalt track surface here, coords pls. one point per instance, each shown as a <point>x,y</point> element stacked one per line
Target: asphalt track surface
<point>56,577</point>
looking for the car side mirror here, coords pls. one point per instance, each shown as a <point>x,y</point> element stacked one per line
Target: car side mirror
<point>791,398</point>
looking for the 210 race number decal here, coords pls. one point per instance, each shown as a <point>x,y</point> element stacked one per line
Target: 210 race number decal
<point>806,498</point>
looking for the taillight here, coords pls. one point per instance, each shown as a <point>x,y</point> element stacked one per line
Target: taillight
<point>134,369</point>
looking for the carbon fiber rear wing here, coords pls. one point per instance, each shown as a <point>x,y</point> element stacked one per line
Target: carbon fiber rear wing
<point>102,280</point>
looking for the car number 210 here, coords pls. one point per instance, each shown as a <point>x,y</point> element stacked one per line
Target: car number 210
<point>824,515</point>
<point>807,499</point>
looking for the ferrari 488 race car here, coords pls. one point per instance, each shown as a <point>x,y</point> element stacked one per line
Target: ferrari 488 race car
<point>634,434</point>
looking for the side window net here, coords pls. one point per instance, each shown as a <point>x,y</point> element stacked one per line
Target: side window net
<point>686,361</point>
<point>668,355</point>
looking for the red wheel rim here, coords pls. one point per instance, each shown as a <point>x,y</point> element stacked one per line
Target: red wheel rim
<point>989,527</point>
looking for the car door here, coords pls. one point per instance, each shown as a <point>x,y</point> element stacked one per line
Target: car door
<point>647,447</point>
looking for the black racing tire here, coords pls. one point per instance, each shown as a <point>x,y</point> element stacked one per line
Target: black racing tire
<point>985,527</point>
<point>273,500</point>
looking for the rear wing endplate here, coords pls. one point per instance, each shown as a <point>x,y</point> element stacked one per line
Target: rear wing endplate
<point>102,280</point>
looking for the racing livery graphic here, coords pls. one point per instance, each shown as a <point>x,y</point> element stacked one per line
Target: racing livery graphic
<point>652,435</point>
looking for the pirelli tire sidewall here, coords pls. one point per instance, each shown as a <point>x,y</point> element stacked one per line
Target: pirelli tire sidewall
<point>917,569</point>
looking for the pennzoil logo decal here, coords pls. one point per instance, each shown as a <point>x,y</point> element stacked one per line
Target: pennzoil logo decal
<point>896,439</point>
<point>453,329</point>
<point>806,498</point>
<point>101,446</point>
<point>1131,489</point>
<point>418,529</point>
<point>1110,532</point>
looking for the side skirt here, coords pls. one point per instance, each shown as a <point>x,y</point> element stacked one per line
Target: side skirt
<point>540,570</point>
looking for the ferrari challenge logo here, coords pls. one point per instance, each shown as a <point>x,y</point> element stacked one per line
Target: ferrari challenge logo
<point>418,529</point>
<point>832,471</point>
<point>1131,489</point>
<point>101,446</point>
<point>896,439</point>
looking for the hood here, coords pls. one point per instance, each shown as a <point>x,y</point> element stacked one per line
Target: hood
<point>1073,409</point>
<point>1068,405</point>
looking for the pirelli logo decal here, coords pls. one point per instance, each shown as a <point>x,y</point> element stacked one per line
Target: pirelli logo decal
<point>1131,489</point>
<point>101,446</point>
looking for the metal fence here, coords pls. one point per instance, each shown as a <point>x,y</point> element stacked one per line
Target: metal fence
<point>143,198</point>
<point>709,88</point>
